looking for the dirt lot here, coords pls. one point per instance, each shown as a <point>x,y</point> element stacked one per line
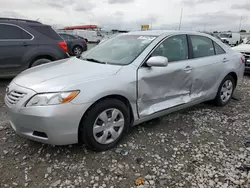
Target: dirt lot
<point>199,147</point>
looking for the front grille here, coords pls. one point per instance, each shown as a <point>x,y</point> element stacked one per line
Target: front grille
<point>14,96</point>
<point>246,55</point>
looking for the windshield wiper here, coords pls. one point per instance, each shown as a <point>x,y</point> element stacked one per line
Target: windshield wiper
<point>94,60</point>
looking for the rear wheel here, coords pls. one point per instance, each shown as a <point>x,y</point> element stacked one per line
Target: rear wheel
<point>77,50</point>
<point>40,62</point>
<point>225,91</point>
<point>104,124</point>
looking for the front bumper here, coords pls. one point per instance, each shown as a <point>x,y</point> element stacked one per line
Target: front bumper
<point>54,124</point>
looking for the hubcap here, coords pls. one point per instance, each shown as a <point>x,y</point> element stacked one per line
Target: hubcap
<point>77,51</point>
<point>108,126</point>
<point>226,90</point>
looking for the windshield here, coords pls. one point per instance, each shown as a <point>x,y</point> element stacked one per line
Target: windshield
<point>120,50</point>
<point>225,35</point>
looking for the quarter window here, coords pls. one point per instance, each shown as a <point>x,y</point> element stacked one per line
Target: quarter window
<point>11,32</point>
<point>202,46</point>
<point>218,49</point>
<point>174,48</point>
<point>46,31</point>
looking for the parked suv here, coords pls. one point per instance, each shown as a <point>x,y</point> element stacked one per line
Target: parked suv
<point>26,43</point>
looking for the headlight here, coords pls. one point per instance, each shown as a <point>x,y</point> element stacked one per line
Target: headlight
<point>45,99</point>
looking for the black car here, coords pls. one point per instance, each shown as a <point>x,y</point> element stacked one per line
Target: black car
<point>27,43</point>
<point>76,45</point>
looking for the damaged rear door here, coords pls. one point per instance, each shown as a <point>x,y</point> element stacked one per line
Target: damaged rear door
<point>160,88</point>
<point>208,63</point>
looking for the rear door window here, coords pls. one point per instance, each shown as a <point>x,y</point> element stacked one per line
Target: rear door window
<point>46,30</point>
<point>202,46</point>
<point>12,32</point>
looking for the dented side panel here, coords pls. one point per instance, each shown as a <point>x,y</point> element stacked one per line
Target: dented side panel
<point>161,88</point>
<point>208,73</point>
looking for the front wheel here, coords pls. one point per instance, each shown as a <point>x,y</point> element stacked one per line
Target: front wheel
<point>225,91</point>
<point>104,124</point>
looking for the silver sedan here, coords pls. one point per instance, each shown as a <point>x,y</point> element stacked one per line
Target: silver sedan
<point>122,82</point>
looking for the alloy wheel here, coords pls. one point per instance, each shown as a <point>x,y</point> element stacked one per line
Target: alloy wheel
<point>77,51</point>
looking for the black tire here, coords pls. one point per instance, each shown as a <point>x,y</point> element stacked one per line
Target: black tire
<point>86,126</point>
<point>77,48</point>
<point>40,62</point>
<point>237,43</point>
<point>218,101</point>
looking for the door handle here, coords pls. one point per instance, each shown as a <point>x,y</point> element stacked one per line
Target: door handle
<point>188,68</point>
<point>225,60</point>
<point>24,44</point>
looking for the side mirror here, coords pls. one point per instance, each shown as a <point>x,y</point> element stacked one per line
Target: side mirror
<point>157,61</point>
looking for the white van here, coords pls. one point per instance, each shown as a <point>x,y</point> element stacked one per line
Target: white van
<point>90,36</point>
<point>231,38</point>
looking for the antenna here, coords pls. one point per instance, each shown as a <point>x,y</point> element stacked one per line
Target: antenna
<point>180,19</point>
<point>240,23</point>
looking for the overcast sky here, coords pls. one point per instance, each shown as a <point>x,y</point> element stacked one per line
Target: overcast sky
<point>130,14</point>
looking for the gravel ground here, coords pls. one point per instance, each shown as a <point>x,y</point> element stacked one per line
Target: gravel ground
<point>199,147</point>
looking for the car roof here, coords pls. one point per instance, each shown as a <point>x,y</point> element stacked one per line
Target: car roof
<point>21,22</point>
<point>161,32</point>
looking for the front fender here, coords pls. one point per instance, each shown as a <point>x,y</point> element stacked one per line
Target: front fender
<point>95,89</point>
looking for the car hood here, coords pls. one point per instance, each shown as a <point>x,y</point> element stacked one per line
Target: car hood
<point>242,48</point>
<point>57,75</point>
